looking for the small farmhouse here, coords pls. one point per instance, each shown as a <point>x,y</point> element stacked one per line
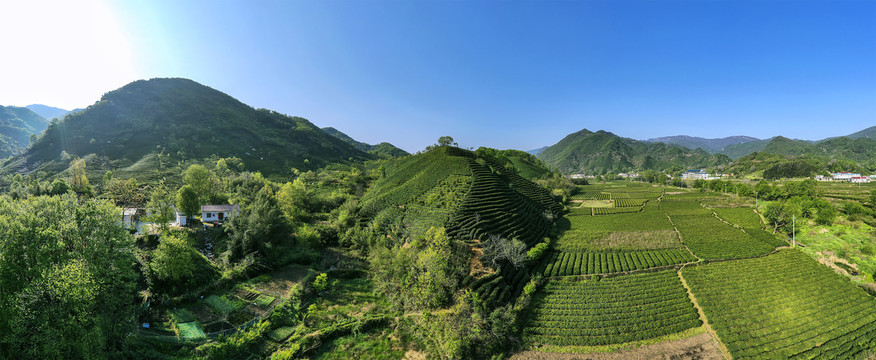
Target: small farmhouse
<point>218,212</point>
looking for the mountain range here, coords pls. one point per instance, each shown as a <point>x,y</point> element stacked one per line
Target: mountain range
<point>184,120</point>
<point>50,112</point>
<point>382,150</point>
<point>603,152</point>
<point>17,124</point>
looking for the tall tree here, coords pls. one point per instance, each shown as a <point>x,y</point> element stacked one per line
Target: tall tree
<point>78,178</point>
<point>187,201</point>
<point>260,228</point>
<point>201,180</point>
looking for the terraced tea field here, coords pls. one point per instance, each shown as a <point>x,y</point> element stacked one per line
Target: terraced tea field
<point>612,310</point>
<point>784,305</point>
<point>619,281</point>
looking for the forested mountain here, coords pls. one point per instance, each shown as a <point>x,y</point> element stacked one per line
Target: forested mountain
<point>869,132</point>
<point>48,112</point>
<point>182,120</point>
<point>538,151</point>
<point>383,150</point>
<point>711,145</point>
<point>17,124</point>
<point>602,152</point>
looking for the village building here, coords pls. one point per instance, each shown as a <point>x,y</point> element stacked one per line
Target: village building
<point>860,179</point>
<point>845,176</point>
<point>697,174</point>
<point>211,213</point>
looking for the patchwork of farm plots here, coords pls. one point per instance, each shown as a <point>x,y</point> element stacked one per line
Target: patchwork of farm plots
<point>763,302</point>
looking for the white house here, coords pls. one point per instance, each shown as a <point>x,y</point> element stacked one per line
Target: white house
<point>695,174</point>
<point>823,178</point>
<point>845,176</point>
<point>860,179</point>
<point>218,212</point>
<point>129,218</point>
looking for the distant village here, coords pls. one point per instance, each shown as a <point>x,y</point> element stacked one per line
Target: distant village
<point>700,174</point>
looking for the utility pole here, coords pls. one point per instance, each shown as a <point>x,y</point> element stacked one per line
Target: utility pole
<point>793,230</point>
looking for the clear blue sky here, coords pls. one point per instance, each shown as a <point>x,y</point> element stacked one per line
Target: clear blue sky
<point>519,74</point>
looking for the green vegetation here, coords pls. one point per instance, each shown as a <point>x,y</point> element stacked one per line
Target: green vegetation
<point>710,238</point>
<point>383,150</point>
<point>602,152</point>
<point>561,264</point>
<point>740,216</point>
<point>17,126</point>
<point>784,305</point>
<point>612,310</point>
<point>180,120</point>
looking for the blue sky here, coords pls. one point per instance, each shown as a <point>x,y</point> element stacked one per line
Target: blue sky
<point>505,74</point>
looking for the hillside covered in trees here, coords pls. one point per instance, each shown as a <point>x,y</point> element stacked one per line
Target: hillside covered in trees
<point>177,119</point>
<point>17,124</point>
<point>602,152</point>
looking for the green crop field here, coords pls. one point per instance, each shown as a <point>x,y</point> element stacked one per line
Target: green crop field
<point>582,263</point>
<point>710,238</point>
<point>742,216</point>
<point>784,305</point>
<point>616,310</point>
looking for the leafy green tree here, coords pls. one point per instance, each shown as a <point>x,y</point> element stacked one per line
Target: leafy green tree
<point>78,178</point>
<point>187,201</point>
<point>160,206</point>
<point>176,267</point>
<point>59,186</point>
<point>201,180</point>
<point>422,275</point>
<point>67,284</point>
<point>260,228</point>
<point>124,192</point>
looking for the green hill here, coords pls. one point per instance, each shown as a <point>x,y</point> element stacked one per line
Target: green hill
<point>474,197</point>
<point>17,124</point>
<point>186,121</point>
<point>602,152</point>
<point>869,132</point>
<point>382,150</point>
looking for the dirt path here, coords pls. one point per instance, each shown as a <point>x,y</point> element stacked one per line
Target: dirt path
<point>723,349</point>
<point>698,347</point>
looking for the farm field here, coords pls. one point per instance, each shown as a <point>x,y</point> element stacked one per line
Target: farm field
<point>602,296</point>
<point>784,305</point>
<point>594,311</point>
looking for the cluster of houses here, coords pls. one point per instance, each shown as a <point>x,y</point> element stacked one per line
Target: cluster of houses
<point>846,176</point>
<point>134,218</point>
<point>700,174</point>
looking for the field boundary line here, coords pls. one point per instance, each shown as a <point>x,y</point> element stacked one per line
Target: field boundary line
<point>681,238</point>
<point>703,318</point>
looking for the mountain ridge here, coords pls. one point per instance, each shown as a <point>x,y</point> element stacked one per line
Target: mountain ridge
<point>186,121</point>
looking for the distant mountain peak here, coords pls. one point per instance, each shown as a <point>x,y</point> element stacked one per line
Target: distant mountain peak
<point>713,146</point>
